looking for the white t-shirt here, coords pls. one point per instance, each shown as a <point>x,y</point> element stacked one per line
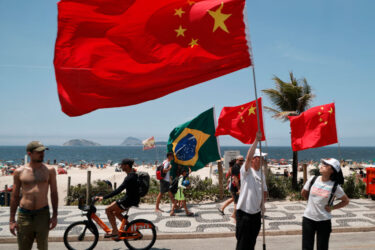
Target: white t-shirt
<point>166,164</point>
<point>250,199</point>
<point>318,198</point>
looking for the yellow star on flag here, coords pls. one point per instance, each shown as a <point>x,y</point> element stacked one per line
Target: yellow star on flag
<point>194,42</point>
<point>190,2</point>
<point>219,18</point>
<point>180,31</point>
<point>179,12</point>
<point>252,110</point>
<point>330,111</point>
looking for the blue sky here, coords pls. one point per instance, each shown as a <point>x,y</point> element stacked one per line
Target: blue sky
<point>330,43</point>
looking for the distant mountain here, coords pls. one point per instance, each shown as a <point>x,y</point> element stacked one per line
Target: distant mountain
<point>80,142</point>
<point>131,141</point>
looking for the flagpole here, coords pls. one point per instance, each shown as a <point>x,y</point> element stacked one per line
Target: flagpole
<point>258,122</point>
<point>337,134</point>
<point>260,158</point>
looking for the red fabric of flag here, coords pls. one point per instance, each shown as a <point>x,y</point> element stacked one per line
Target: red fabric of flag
<point>314,128</point>
<point>112,53</point>
<point>241,122</point>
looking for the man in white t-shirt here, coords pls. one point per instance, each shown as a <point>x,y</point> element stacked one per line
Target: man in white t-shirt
<point>249,206</point>
<point>165,183</point>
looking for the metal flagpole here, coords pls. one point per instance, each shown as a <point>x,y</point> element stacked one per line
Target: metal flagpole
<point>259,129</point>
<point>337,134</point>
<point>260,158</point>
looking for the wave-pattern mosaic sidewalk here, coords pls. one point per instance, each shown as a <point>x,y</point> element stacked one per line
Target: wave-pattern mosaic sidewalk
<point>281,217</point>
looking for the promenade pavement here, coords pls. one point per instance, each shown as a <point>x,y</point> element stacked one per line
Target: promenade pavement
<point>282,218</point>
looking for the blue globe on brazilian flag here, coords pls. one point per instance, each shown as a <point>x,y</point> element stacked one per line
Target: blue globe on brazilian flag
<point>194,143</point>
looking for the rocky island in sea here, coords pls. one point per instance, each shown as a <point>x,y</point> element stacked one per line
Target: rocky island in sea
<point>80,142</point>
<point>131,141</point>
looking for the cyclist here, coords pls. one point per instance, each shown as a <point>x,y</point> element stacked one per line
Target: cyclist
<point>131,197</point>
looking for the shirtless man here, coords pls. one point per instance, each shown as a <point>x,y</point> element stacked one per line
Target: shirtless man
<point>33,220</point>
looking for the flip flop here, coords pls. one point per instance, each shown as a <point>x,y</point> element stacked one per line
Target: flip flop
<point>190,215</point>
<point>221,211</point>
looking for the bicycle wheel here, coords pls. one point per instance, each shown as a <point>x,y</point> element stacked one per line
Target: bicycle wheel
<point>147,232</point>
<point>81,235</point>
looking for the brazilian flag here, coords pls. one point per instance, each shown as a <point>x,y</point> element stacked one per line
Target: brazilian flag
<point>194,143</point>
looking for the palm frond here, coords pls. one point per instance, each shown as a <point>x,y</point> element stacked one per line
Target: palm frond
<point>272,110</point>
<point>289,98</point>
<point>284,115</point>
<point>304,102</point>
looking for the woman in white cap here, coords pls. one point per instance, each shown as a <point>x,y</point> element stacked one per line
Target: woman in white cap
<point>320,192</point>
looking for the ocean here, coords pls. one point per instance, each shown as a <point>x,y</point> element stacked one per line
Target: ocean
<point>103,154</point>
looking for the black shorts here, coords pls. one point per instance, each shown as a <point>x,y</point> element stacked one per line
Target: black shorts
<point>164,186</point>
<point>235,196</point>
<point>126,203</point>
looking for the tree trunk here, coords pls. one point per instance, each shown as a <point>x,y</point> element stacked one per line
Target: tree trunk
<point>295,170</point>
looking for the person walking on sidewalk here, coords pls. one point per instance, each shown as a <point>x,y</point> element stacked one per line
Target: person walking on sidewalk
<point>165,183</point>
<point>33,221</point>
<point>249,206</point>
<point>228,176</point>
<point>179,196</point>
<point>317,216</point>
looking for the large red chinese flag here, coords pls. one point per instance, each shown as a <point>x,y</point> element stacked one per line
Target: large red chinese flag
<point>241,122</point>
<point>314,128</point>
<point>112,53</point>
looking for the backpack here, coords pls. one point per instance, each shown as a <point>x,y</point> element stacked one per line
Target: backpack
<point>159,172</point>
<point>174,186</point>
<point>143,183</point>
<point>331,198</point>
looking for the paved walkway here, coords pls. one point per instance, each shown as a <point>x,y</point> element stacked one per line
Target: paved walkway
<point>282,217</point>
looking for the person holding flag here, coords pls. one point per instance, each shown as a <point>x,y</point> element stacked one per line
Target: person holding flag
<point>249,206</point>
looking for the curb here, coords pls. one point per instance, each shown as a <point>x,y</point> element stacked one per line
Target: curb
<point>165,236</point>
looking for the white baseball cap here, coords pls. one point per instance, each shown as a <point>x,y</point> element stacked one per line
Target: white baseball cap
<point>258,153</point>
<point>239,157</point>
<point>333,163</point>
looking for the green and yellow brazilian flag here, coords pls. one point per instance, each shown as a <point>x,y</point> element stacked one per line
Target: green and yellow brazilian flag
<point>194,143</point>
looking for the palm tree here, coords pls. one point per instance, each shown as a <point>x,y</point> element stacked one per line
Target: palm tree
<point>289,99</point>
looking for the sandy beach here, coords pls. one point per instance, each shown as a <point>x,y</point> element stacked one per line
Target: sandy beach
<point>79,176</point>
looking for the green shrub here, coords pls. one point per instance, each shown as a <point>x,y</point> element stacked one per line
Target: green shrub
<point>98,188</point>
<point>315,171</point>
<point>199,190</point>
<point>354,187</point>
<point>277,186</point>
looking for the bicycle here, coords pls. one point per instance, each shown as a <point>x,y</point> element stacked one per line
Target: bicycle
<point>137,234</point>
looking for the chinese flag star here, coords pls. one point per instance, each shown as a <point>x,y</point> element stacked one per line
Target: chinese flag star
<point>241,122</point>
<point>314,128</point>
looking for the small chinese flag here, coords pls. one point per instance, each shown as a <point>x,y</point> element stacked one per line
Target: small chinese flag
<point>241,122</point>
<point>113,53</point>
<point>314,128</point>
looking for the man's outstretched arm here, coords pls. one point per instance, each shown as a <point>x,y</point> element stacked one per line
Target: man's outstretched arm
<point>251,151</point>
